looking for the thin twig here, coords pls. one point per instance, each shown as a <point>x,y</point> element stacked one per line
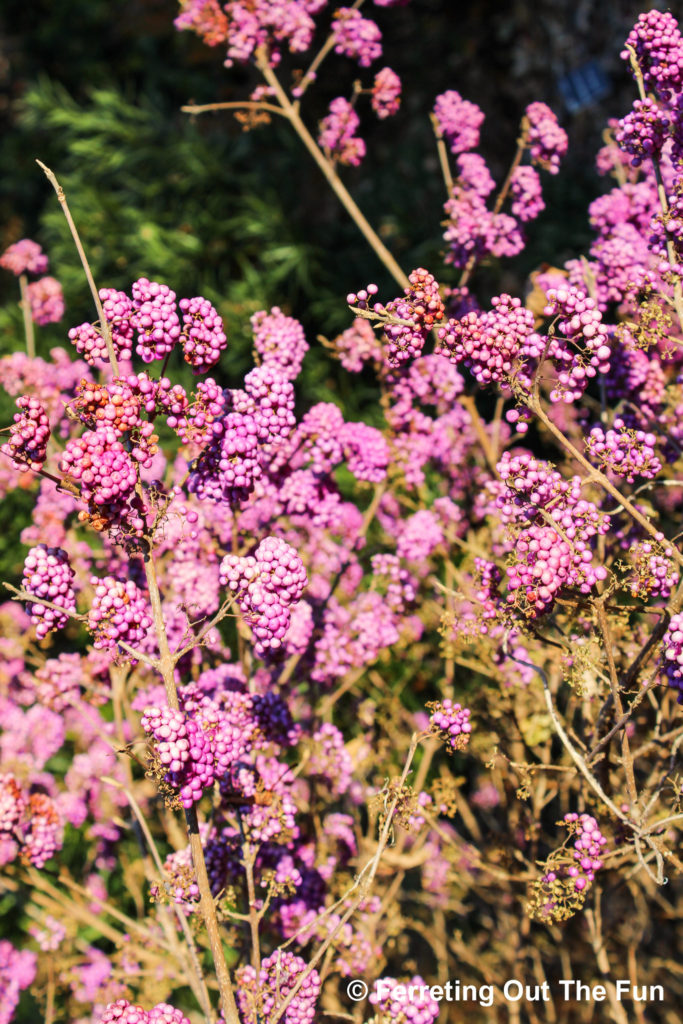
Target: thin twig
<point>104,325</point>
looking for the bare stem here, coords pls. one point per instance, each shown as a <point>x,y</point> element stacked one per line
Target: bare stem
<point>106,332</point>
<point>205,108</point>
<point>335,182</point>
<point>28,318</point>
<point>443,155</point>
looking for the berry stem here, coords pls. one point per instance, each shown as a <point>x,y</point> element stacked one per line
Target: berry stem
<point>331,175</point>
<point>104,325</point>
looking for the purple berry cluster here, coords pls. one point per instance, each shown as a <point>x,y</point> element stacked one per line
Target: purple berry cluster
<point>338,134</point>
<point>489,344</point>
<point>229,467</point>
<point>589,851</point>
<point>184,750</point>
<point>203,337</point>
<point>123,1012</point>
<point>356,37</point>
<point>672,657</point>
<point>406,320</point>
<point>119,613</point>
<point>547,141</point>
<point>46,300</point>
<point>155,318</point>
<point>458,120</point>
<point>397,1002</point>
<point>266,585</point>
<point>386,93</point>
<point>580,348</point>
<point>527,194</point>
<point>279,339</point>
<point>29,435</point>
<point>624,452</point>
<point>643,131</point>
<point>451,722</point>
<point>366,451</point>
<point>656,40</point>
<point>48,575</point>
<point>258,998</point>
<point>24,257</point>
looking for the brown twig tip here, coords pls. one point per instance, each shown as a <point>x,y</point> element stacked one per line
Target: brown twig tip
<point>51,177</point>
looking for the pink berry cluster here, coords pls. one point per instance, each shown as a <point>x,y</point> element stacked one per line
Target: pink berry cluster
<point>400,1003</point>
<point>119,613</point>
<point>184,750</point>
<point>386,93</point>
<point>489,344</point>
<point>266,585</point>
<point>656,39</point>
<point>271,402</point>
<point>88,338</point>
<point>17,972</point>
<point>580,348</point>
<point>458,120</point>
<point>356,37</point>
<point>366,451</point>
<point>29,435</point>
<point>589,851</point>
<point>672,657</point>
<point>203,337</point>
<point>451,722</point>
<point>279,339</point>
<point>558,528</point>
<point>48,575</point>
<point>155,318</point>
<point>357,345</point>
<point>123,1012</point>
<point>406,320</point>
<point>258,998</point>
<point>24,257</point>
<point>526,192</point>
<point>624,452</point>
<point>30,824</point>
<point>101,464</point>
<point>338,136</point>
<point>654,574</point>
<point>547,141</point>
<point>643,131</point>
<point>46,300</point>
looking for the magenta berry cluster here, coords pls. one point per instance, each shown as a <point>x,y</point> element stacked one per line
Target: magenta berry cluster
<point>29,434</point>
<point>259,997</point>
<point>547,141</point>
<point>589,851</point>
<point>119,613</point>
<point>203,337</point>
<point>411,1000</point>
<point>338,135</point>
<point>624,452</point>
<point>356,37</point>
<point>279,339</point>
<point>48,575</point>
<point>155,317</point>
<point>123,1012</point>
<point>451,721</point>
<point>266,585</point>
